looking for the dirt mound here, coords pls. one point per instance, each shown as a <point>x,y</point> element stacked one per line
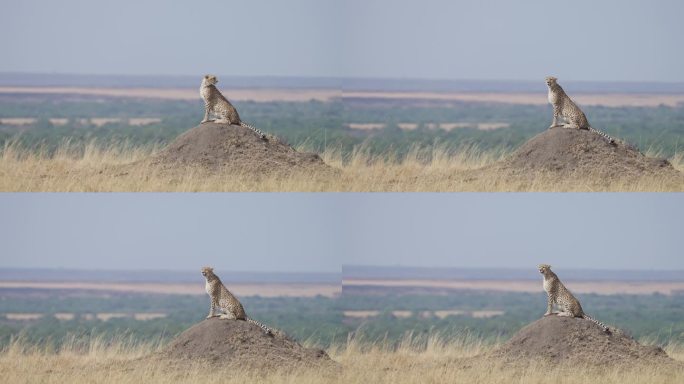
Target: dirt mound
<point>570,340</point>
<point>240,344</point>
<point>235,149</point>
<point>580,153</point>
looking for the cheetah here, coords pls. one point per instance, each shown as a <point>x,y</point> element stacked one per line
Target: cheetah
<point>564,107</point>
<point>225,301</point>
<point>215,103</point>
<point>561,296</point>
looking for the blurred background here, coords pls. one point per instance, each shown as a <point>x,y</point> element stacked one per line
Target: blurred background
<point>322,266</point>
<point>383,75</point>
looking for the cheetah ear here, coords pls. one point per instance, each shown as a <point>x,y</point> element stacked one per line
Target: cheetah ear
<point>206,76</point>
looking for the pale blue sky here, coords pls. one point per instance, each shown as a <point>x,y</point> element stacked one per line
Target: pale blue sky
<point>170,37</point>
<point>254,232</point>
<point>309,232</point>
<point>607,40</point>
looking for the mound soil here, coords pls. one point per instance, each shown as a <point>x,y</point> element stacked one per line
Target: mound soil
<point>581,153</point>
<point>243,345</point>
<point>235,148</point>
<point>569,340</point>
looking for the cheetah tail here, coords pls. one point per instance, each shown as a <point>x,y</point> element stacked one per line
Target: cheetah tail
<point>603,134</point>
<point>265,328</point>
<point>256,130</point>
<point>600,324</point>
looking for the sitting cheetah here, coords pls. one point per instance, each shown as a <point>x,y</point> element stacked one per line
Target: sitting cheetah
<point>561,296</point>
<point>216,103</point>
<point>564,107</point>
<point>225,301</point>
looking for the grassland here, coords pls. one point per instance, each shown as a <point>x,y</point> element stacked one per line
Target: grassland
<point>602,287</point>
<point>398,345</point>
<point>280,94</point>
<point>440,168</point>
<point>432,359</point>
<point>242,289</point>
<point>524,98</point>
<point>81,139</point>
<point>253,94</point>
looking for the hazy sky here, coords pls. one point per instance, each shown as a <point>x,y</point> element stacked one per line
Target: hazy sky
<point>252,232</point>
<point>320,232</point>
<point>621,40</point>
<point>519,230</point>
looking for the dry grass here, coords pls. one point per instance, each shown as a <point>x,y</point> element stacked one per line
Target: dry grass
<point>252,94</point>
<point>438,168</point>
<point>527,98</point>
<point>240,289</point>
<point>290,94</point>
<point>603,287</point>
<point>431,359</point>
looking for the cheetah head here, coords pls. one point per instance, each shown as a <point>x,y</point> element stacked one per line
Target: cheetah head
<point>207,271</point>
<point>544,268</point>
<point>550,80</point>
<point>209,80</point>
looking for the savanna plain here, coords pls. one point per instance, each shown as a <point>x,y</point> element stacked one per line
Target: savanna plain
<point>373,331</point>
<point>433,361</point>
<point>67,139</point>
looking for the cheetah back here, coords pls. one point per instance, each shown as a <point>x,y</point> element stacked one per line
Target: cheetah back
<point>230,304</point>
<point>220,106</point>
<point>563,104</point>
<point>566,300</point>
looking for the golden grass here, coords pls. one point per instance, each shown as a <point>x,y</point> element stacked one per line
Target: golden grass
<point>438,168</point>
<point>526,98</point>
<point>240,289</point>
<point>251,94</point>
<point>427,359</point>
<point>304,95</point>
<point>603,287</point>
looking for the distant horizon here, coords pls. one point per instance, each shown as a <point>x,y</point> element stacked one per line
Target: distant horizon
<point>386,84</point>
<point>404,272</point>
<point>322,272</point>
<point>58,274</point>
<point>337,77</point>
<point>7,268</point>
<point>346,272</point>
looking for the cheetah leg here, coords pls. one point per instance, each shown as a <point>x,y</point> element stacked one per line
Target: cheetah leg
<point>223,120</point>
<point>206,116</point>
<point>212,310</point>
<point>554,123</point>
<point>549,307</point>
<point>568,123</point>
<point>565,314</point>
<point>228,316</point>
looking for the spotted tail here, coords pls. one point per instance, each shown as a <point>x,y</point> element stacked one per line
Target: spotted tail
<point>603,134</point>
<point>256,130</point>
<point>600,324</point>
<point>265,328</point>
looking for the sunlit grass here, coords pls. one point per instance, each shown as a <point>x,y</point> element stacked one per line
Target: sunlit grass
<point>432,358</point>
<point>439,168</point>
